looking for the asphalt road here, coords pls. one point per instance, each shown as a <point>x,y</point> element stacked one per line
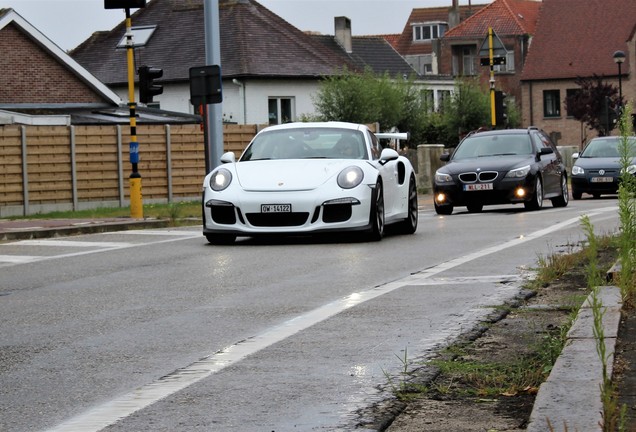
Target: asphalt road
<point>156,330</point>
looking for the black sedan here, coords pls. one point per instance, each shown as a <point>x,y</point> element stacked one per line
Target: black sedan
<point>501,167</point>
<point>598,168</point>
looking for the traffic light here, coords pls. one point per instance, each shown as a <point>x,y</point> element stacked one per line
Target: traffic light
<point>501,109</point>
<point>147,88</point>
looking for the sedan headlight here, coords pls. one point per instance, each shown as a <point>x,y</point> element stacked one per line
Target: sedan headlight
<point>577,170</point>
<point>631,169</point>
<point>350,177</point>
<point>519,172</point>
<point>441,177</point>
<point>220,180</point>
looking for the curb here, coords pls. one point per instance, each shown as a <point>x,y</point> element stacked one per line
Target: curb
<point>80,228</point>
<point>571,396</point>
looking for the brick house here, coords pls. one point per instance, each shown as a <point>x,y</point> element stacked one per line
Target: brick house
<point>513,22</point>
<point>576,38</point>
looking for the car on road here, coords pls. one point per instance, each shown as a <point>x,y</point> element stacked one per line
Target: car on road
<point>309,178</point>
<point>597,168</point>
<point>506,166</point>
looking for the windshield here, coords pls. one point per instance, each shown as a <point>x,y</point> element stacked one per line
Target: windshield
<point>493,145</point>
<point>307,143</point>
<point>608,147</point>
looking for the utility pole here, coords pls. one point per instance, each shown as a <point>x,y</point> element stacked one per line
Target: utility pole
<point>213,114</point>
<point>136,206</point>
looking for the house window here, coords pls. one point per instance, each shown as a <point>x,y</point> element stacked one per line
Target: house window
<point>141,35</point>
<point>428,100</point>
<point>443,97</point>
<point>551,103</point>
<point>569,94</point>
<point>428,31</point>
<point>280,110</point>
<point>510,63</point>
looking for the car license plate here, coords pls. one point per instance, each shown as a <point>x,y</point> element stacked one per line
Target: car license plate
<point>602,179</point>
<point>478,186</point>
<point>275,208</point>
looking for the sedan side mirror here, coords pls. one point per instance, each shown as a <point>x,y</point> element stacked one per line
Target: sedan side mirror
<point>228,157</point>
<point>388,155</point>
<point>575,155</point>
<point>545,151</point>
<point>445,157</point>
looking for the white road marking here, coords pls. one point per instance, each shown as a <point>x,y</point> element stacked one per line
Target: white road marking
<point>70,243</point>
<point>19,259</point>
<point>124,406</point>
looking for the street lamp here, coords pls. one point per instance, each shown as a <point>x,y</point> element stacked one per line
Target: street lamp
<point>619,58</point>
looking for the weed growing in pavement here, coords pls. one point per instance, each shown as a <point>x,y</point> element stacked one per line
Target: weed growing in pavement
<point>627,213</point>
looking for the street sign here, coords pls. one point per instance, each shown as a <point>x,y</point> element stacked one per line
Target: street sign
<point>205,85</point>
<point>496,61</point>
<point>498,47</point>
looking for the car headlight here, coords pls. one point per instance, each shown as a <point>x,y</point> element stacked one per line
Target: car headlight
<point>350,177</point>
<point>519,172</point>
<point>631,169</point>
<point>577,170</point>
<point>441,177</point>
<point>220,180</point>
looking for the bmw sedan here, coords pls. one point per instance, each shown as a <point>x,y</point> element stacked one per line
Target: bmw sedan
<point>598,168</point>
<point>308,178</point>
<point>501,167</point>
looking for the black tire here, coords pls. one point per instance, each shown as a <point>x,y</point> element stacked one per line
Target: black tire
<point>475,208</point>
<point>537,196</point>
<point>444,210</point>
<point>409,225</point>
<point>376,218</point>
<point>220,239</point>
<point>562,200</point>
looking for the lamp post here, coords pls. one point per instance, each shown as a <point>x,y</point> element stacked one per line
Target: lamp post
<point>619,58</point>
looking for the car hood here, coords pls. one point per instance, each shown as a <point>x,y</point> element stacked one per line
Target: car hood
<point>600,162</point>
<point>288,175</point>
<point>489,163</point>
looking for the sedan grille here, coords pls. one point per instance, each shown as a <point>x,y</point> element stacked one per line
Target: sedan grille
<point>277,219</point>
<point>484,176</point>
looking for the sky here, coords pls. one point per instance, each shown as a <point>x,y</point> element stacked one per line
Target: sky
<point>69,22</point>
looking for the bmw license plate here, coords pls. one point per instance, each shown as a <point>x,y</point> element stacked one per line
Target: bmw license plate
<point>478,186</point>
<point>602,179</point>
<point>275,208</point>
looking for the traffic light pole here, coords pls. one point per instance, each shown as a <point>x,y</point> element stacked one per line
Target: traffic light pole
<point>491,54</point>
<point>136,206</point>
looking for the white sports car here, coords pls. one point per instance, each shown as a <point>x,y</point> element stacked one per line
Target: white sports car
<point>303,178</point>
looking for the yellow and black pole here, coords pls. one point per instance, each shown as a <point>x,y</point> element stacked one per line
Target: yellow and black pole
<point>136,206</point>
<point>491,54</point>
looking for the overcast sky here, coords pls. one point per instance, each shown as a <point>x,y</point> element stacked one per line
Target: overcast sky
<point>70,22</point>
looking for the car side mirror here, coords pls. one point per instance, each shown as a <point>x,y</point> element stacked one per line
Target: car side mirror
<point>228,157</point>
<point>445,157</point>
<point>388,155</point>
<point>575,155</point>
<point>545,151</point>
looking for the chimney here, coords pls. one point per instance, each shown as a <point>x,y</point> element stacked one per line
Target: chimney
<point>453,14</point>
<point>343,33</point>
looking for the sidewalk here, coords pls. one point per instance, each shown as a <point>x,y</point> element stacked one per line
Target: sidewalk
<point>23,229</point>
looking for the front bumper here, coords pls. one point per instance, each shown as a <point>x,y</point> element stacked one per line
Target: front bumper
<point>584,184</point>
<point>505,191</point>
<point>242,213</point>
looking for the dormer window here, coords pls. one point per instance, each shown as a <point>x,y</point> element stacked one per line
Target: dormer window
<point>141,36</point>
<point>428,31</point>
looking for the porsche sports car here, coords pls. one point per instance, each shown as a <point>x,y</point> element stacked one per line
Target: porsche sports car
<point>501,167</point>
<point>597,169</point>
<point>305,178</point>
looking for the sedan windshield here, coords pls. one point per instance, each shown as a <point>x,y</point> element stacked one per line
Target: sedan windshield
<point>493,145</point>
<point>307,143</point>
<point>608,148</point>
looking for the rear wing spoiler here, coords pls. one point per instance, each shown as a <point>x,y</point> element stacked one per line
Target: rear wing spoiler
<point>393,135</point>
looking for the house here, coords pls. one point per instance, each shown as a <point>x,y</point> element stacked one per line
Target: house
<point>419,41</point>
<point>43,85</point>
<point>576,38</point>
<point>513,23</point>
<point>270,69</point>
